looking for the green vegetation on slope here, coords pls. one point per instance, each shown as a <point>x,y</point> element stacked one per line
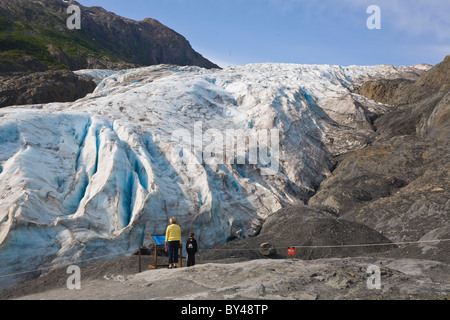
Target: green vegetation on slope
<point>20,41</point>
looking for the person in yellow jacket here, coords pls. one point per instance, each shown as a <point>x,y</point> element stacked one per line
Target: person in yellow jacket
<point>173,242</point>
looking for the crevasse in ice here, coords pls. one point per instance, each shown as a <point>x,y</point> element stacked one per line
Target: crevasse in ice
<point>94,177</point>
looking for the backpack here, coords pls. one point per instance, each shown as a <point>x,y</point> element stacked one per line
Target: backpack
<point>191,246</point>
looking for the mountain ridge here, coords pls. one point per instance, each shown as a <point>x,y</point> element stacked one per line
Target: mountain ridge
<point>34,37</point>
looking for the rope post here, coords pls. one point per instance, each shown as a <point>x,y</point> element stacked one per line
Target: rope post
<point>139,259</point>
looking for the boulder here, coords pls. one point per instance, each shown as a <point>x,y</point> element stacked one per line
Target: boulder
<point>266,249</point>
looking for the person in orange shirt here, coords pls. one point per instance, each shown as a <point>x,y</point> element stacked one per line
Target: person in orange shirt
<point>173,242</point>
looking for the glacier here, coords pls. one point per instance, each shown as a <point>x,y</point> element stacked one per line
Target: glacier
<point>93,178</point>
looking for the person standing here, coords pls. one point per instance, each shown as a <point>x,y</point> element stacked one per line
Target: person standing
<point>191,249</point>
<point>173,242</point>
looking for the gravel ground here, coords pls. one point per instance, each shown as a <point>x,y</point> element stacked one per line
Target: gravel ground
<point>240,278</point>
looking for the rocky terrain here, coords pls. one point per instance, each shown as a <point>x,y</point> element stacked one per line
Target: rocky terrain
<point>34,37</point>
<point>234,279</point>
<point>43,87</point>
<point>316,232</point>
<point>399,185</point>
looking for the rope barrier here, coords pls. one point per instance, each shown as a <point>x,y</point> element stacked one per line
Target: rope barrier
<point>345,245</point>
<point>68,264</point>
<point>237,249</point>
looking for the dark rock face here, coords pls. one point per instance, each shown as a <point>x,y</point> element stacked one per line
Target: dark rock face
<point>321,232</point>
<point>315,231</point>
<point>43,87</point>
<point>399,185</point>
<point>384,91</point>
<point>146,42</point>
<point>34,37</point>
<point>435,81</point>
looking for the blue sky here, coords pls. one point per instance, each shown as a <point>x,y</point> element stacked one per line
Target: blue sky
<point>236,32</point>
